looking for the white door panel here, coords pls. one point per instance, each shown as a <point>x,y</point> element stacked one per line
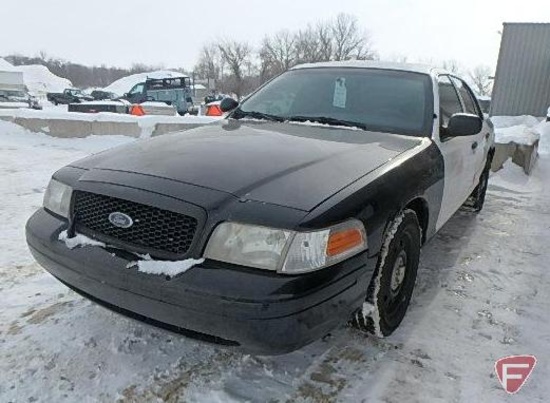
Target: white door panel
<point>459,172</point>
<point>463,155</point>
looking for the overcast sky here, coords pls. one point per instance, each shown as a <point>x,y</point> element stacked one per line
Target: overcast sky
<point>171,32</point>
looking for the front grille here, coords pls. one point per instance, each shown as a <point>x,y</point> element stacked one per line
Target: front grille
<point>153,230</point>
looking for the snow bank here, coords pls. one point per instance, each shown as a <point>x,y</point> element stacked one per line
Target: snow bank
<point>18,136</point>
<point>38,79</point>
<point>125,84</point>
<point>5,66</point>
<point>164,268</point>
<point>518,134</point>
<point>502,122</point>
<point>524,130</point>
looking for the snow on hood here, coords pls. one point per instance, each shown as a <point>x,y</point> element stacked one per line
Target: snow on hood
<point>125,84</point>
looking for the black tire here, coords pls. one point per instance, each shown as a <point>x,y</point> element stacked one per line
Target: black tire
<point>477,198</point>
<point>392,285</point>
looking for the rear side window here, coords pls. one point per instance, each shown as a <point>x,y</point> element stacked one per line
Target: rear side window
<point>467,96</point>
<point>449,103</point>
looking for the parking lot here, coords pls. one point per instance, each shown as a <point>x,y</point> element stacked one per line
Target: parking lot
<point>481,294</point>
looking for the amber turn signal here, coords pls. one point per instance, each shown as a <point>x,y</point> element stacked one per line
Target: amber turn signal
<point>342,241</point>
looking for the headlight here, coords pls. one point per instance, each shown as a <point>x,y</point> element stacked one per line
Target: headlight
<point>286,251</point>
<point>57,198</point>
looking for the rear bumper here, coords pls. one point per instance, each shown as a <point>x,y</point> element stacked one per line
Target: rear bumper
<point>262,312</point>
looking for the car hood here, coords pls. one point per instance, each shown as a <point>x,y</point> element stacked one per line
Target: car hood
<point>292,165</point>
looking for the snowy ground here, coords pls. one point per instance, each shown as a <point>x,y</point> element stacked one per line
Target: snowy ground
<point>482,294</point>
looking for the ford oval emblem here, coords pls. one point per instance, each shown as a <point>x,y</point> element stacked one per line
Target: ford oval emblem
<point>120,220</point>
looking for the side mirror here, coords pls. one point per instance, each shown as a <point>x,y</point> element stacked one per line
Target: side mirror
<point>228,104</point>
<point>464,124</point>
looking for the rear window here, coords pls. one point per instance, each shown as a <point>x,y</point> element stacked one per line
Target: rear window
<point>381,100</point>
<point>166,84</point>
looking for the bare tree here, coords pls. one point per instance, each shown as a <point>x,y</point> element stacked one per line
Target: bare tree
<point>324,32</point>
<point>348,42</point>
<point>237,57</point>
<point>307,46</point>
<point>452,66</point>
<point>277,54</point>
<point>210,63</point>
<point>482,81</point>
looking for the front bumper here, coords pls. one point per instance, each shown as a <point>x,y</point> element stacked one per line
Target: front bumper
<point>263,312</point>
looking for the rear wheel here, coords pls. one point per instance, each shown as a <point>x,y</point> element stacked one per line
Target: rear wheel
<point>477,198</point>
<point>391,288</point>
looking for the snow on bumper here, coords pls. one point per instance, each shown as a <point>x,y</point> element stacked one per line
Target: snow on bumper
<point>261,311</point>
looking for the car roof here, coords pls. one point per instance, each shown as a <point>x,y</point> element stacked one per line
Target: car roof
<point>370,64</point>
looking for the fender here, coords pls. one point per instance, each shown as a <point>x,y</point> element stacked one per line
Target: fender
<point>417,174</point>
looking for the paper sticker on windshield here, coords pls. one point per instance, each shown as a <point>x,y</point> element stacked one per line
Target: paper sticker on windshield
<point>340,93</point>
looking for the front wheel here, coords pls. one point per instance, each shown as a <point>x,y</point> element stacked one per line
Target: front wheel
<point>391,288</point>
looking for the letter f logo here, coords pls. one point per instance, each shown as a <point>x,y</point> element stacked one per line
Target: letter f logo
<point>513,371</point>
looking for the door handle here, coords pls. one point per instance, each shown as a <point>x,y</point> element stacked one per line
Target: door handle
<point>474,145</point>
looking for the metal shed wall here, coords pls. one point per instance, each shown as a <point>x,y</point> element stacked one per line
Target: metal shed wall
<point>522,80</point>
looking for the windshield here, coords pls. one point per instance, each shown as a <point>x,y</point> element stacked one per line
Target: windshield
<point>373,99</point>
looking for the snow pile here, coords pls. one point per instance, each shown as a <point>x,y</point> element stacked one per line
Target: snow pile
<point>518,134</point>
<point>78,240</point>
<point>38,79</point>
<point>524,130</point>
<point>164,268</point>
<point>5,66</point>
<point>502,122</point>
<point>125,84</point>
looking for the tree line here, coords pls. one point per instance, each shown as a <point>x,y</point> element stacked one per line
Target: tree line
<point>239,67</point>
<point>80,75</point>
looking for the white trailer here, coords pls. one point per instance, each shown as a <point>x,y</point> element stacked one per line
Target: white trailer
<point>12,80</point>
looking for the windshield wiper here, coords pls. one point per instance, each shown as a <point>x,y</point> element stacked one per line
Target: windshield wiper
<point>239,114</point>
<point>327,121</point>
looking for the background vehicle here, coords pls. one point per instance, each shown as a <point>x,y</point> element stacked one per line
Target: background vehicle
<point>99,95</point>
<point>16,99</point>
<point>170,90</point>
<point>68,96</point>
<point>484,103</point>
<point>13,92</point>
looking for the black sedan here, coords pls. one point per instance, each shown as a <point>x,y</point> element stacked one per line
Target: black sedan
<point>304,209</point>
